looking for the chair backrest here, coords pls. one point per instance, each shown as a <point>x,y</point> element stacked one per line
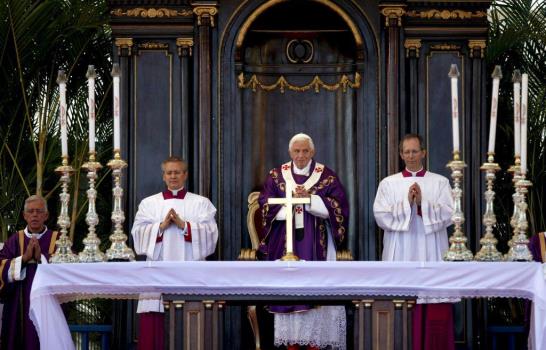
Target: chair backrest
<point>254,219</point>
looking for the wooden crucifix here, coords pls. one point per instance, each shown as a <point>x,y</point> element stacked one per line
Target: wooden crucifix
<point>288,203</point>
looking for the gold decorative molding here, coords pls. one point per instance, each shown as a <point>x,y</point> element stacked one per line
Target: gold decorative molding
<point>184,44</point>
<point>153,46</point>
<point>398,304</point>
<point>446,14</point>
<point>124,44</point>
<point>268,4</point>
<point>477,45</point>
<point>150,12</point>
<point>282,84</point>
<point>412,44</point>
<point>205,12</point>
<point>445,47</point>
<point>393,12</point>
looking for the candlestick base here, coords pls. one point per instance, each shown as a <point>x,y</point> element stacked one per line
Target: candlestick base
<point>458,250</point>
<point>290,257</point>
<point>489,251</point>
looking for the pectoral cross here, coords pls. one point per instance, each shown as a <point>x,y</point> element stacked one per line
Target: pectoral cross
<point>288,203</point>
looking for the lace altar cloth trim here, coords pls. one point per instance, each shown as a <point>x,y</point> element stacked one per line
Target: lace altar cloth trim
<point>320,327</point>
<point>63,282</point>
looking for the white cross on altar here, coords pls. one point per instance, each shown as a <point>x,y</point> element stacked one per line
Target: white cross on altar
<point>288,203</point>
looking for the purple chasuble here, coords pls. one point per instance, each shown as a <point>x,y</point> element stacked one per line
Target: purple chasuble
<point>311,242</point>
<point>18,331</point>
<point>534,247</point>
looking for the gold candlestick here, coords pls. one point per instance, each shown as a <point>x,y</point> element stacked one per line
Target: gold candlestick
<point>118,251</point>
<point>91,251</point>
<point>63,252</point>
<point>489,251</point>
<point>457,250</point>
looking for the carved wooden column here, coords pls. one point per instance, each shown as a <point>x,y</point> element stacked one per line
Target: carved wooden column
<point>383,324</point>
<point>393,22</point>
<point>477,143</point>
<point>413,47</point>
<point>185,46</point>
<point>475,140</point>
<point>191,325</point>
<point>205,13</point>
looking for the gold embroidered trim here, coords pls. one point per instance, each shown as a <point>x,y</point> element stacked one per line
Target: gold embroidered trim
<point>2,265</point>
<point>542,246</point>
<point>52,243</point>
<point>339,217</point>
<point>21,241</point>
<point>282,84</point>
<point>12,269</point>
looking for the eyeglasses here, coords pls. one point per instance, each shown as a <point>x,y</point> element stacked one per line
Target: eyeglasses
<point>411,152</point>
<point>35,211</point>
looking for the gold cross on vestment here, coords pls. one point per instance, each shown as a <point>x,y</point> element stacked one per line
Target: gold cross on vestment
<point>288,202</point>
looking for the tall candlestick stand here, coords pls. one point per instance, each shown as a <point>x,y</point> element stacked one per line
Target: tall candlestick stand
<point>519,251</point>
<point>63,252</point>
<point>457,250</point>
<point>488,251</point>
<point>91,251</point>
<point>118,251</point>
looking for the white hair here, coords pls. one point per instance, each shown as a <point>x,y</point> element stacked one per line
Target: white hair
<point>35,198</point>
<point>301,137</point>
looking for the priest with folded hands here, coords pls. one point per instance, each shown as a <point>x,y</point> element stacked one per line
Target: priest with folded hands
<point>174,225</point>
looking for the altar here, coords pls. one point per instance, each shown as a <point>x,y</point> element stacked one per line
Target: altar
<point>230,280</point>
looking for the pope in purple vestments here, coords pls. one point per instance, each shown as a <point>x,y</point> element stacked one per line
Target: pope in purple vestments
<point>326,215</point>
<point>19,259</point>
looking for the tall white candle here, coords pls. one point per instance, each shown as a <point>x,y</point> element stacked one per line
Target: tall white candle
<point>61,80</point>
<point>115,74</point>
<point>454,74</point>
<point>497,75</point>
<point>524,94</point>
<point>91,75</point>
<point>516,79</point>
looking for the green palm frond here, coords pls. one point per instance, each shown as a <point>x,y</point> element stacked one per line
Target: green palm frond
<point>37,38</point>
<point>518,41</point>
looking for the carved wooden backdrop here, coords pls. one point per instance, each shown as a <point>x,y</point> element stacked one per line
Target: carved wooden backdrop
<point>221,82</point>
<point>290,73</point>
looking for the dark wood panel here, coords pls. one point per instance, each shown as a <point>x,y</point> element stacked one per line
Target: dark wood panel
<point>152,120</point>
<point>438,133</point>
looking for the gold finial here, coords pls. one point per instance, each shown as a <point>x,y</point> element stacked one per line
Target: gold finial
<point>116,71</point>
<point>453,72</point>
<point>61,77</point>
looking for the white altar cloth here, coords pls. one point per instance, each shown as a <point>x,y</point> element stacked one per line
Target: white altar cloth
<point>58,283</point>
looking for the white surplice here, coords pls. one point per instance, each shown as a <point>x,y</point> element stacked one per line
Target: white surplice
<point>195,210</point>
<point>409,236</point>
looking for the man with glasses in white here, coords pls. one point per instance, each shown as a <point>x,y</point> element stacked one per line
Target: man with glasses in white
<point>414,209</point>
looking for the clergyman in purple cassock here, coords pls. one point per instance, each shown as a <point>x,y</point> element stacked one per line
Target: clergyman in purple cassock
<point>319,229</point>
<point>19,259</point>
